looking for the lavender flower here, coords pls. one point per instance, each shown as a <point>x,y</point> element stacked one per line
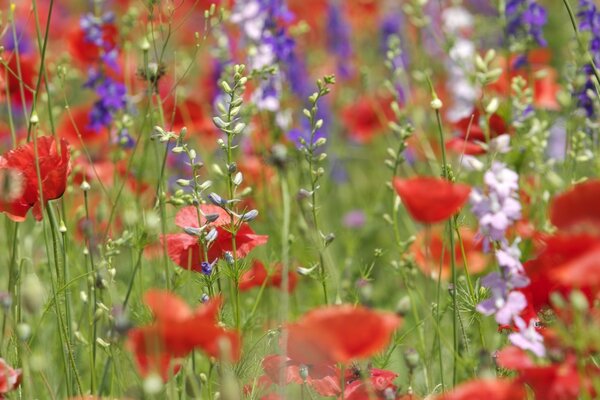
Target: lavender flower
<point>505,302</point>
<point>112,95</point>
<point>338,39</point>
<point>355,219</point>
<point>528,338</point>
<point>457,22</point>
<point>526,20</point>
<point>498,207</point>
<point>589,21</point>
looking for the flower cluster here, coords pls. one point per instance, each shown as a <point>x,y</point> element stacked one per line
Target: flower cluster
<point>497,211</point>
<point>498,207</point>
<point>525,21</point>
<point>458,22</point>
<point>589,21</point>
<point>112,94</point>
<point>269,46</point>
<point>338,39</point>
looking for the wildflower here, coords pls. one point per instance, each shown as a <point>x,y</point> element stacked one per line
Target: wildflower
<point>471,134</point>
<point>185,250</point>
<point>527,337</point>
<point>589,20</point>
<point>338,334</point>
<point>338,39</point>
<point>432,254</point>
<point>27,65</point>
<point>431,200</point>
<point>499,207</point>
<point>54,167</point>
<point>500,389</point>
<point>577,209</point>
<point>10,378</point>
<point>176,331</point>
<point>366,117</point>
<point>354,219</point>
<point>257,275</point>
<point>526,20</point>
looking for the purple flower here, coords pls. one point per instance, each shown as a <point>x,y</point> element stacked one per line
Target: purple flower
<point>589,20</point>
<point>526,20</point>
<point>338,39</point>
<point>528,337</point>
<point>503,303</point>
<point>497,208</point>
<point>355,219</point>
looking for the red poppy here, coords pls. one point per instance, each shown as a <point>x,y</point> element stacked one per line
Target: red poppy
<point>192,115</point>
<point>28,66</point>
<point>257,275</point>
<point>556,381</point>
<point>429,256</point>
<point>561,256</point>
<point>10,378</point>
<point>54,167</point>
<point>545,88</point>
<point>176,331</point>
<point>366,117</point>
<point>338,334</point>
<point>486,389</point>
<point>378,385</point>
<point>185,250</point>
<point>431,200</point>
<point>471,134</point>
<point>578,209</point>
<point>326,385</point>
<point>462,146</point>
<point>470,129</point>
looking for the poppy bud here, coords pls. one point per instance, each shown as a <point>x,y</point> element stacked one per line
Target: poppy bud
<point>411,357</point>
<point>32,293</point>
<point>23,331</point>
<point>403,307</point>
<point>153,384</point>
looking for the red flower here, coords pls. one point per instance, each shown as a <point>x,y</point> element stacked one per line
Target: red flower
<point>438,251</point>
<point>365,118</point>
<point>549,382</point>
<point>327,385</point>
<point>471,134</point>
<point>257,275</point>
<point>431,200</point>
<point>10,378</point>
<point>578,209</point>
<point>185,250</point>
<point>487,389</point>
<point>54,167</point>
<point>377,386</point>
<point>176,331</point>
<point>338,334</point>
<point>562,255</point>
<point>85,52</point>
<point>28,65</point>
